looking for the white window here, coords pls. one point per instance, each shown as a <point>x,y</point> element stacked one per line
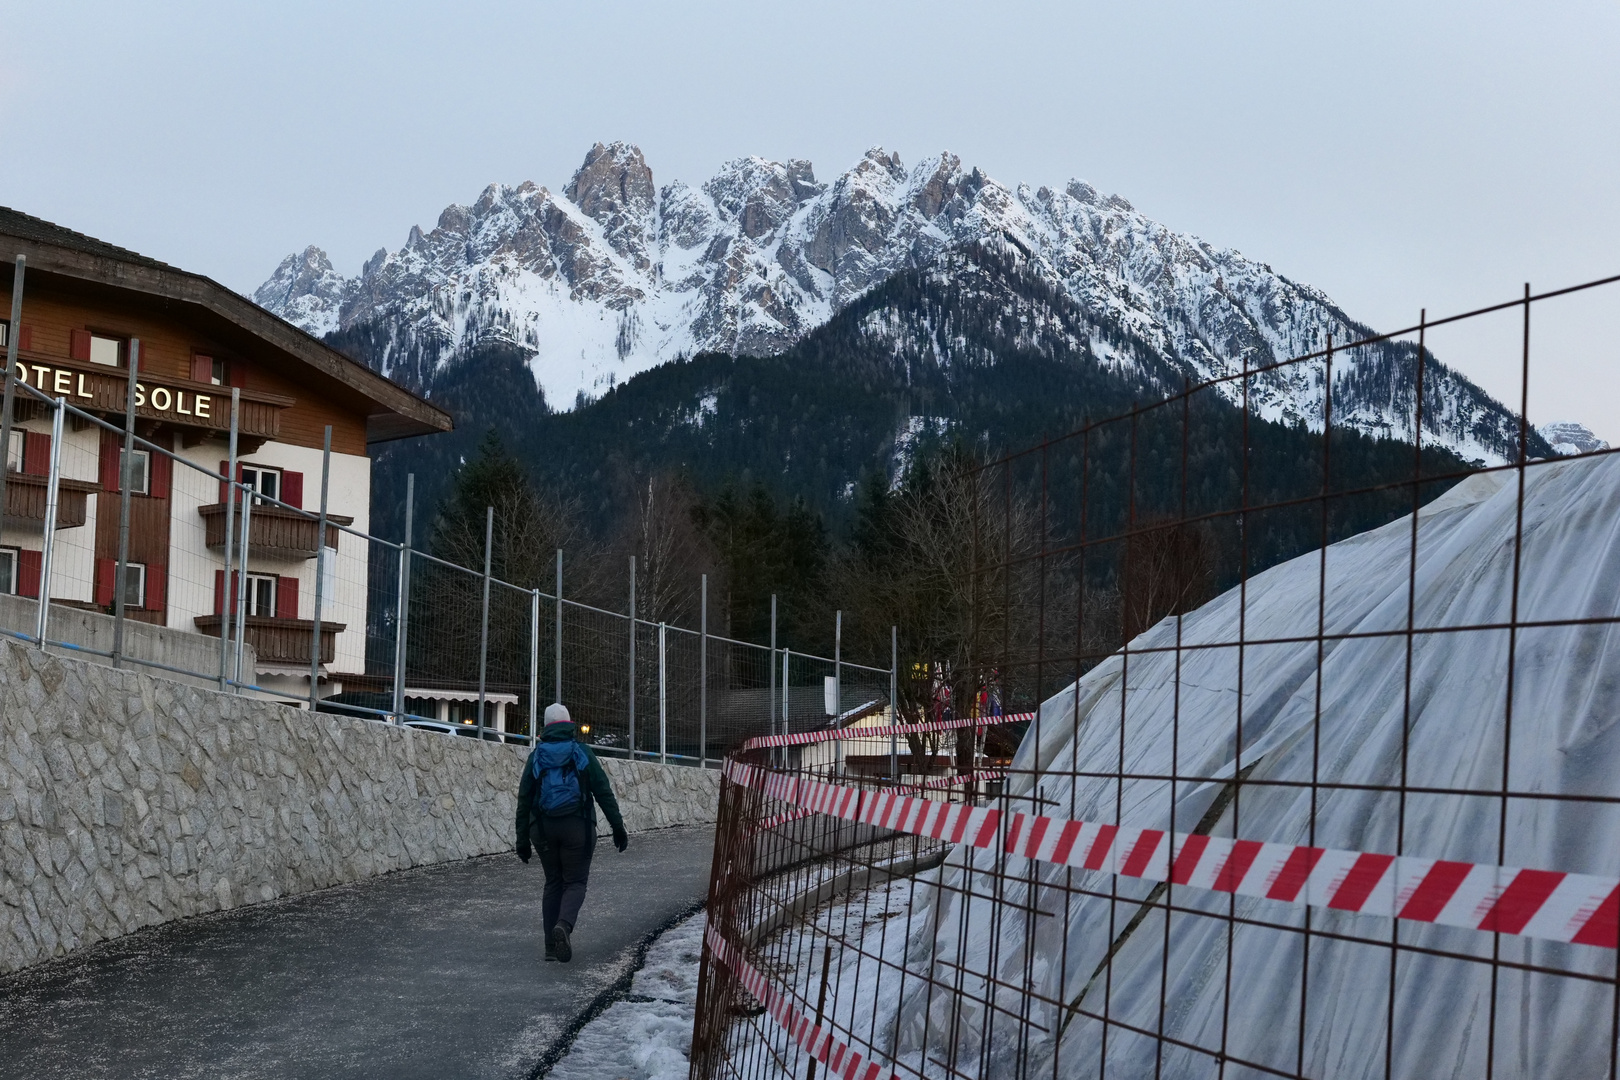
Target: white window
<point>106,350</point>
<point>5,333</point>
<point>218,375</point>
<point>141,475</point>
<point>8,570</point>
<point>14,452</point>
<point>261,595</point>
<point>265,481</point>
<point>134,585</point>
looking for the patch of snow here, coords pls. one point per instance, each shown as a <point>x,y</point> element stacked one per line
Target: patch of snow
<point>647,1034</point>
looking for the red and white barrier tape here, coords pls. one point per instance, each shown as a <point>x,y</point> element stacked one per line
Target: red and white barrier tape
<point>808,737</point>
<point>927,785</point>
<point>817,1039</point>
<point>1582,909</point>
<point>960,778</point>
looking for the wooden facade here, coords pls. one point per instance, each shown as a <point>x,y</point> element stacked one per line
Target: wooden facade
<point>85,304</point>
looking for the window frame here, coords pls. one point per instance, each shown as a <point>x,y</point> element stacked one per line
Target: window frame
<point>252,599</point>
<point>259,471</point>
<point>144,487</point>
<point>139,582</point>
<point>8,583</point>
<point>122,342</point>
<point>14,453</point>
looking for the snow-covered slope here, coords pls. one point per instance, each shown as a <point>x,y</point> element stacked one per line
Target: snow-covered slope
<point>614,275</point>
<point>1178,717</point>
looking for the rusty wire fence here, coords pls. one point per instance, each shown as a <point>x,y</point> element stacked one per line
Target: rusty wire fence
<point>1312,766</point>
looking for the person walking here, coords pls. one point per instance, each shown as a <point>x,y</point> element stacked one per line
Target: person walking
<point>561,786</point>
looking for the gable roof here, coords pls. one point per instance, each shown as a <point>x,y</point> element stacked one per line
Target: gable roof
<point>391,411</point>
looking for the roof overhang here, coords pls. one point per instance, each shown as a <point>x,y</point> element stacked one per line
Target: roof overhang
<point>391,411</point>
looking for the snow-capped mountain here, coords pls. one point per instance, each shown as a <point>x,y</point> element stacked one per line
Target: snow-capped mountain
<point>1569,438</point>
<point>615,275</point>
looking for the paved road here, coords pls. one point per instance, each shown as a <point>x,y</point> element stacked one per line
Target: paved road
<point>434,973</point>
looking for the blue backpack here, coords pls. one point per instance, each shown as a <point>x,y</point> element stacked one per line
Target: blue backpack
<point>557,790</point>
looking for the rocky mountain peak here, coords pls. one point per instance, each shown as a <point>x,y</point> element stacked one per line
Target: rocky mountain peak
<point>761,195</point>
<point>305,290</point>
<point>614,187</point>
<point>1567,438</point>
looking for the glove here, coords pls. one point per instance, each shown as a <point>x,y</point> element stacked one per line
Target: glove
<point>523,852</point>
<point>621,839</point>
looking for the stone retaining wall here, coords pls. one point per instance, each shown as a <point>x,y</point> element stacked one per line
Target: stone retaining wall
<point>128,800</point>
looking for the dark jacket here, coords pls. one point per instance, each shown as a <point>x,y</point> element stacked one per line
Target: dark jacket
<point>593,781</point>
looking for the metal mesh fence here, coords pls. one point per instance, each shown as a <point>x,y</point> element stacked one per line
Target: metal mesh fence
<point>1270,749</point>
<point>241,574</point>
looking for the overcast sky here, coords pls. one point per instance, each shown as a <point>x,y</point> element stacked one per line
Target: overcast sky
<point>1397,155</point>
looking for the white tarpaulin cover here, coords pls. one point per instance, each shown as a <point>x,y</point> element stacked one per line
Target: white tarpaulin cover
<point>1185,713</point>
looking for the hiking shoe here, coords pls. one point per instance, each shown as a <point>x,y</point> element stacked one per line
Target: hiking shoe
<point>551,952</point>
<point>559,946</point>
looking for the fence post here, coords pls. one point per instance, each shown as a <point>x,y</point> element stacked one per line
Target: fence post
<point>632,746</point>
<point>10,396</point>
<point>241,573</point>
<point>534,664</point>
<point>663,694</point>
<point>320,573</point>
<point>483,625</point>
<point>770,666</point>
<point>126,468</point>
<point>402,619</point>
<point>225,589</point>
<point>52,493</point>
<point>894,703</point>
<point>785,654</point>
<point>703,673</point>
<point>559,660</point>
<point>838,689</point>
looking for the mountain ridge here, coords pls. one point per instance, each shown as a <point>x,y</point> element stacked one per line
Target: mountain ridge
<point>615,275</point>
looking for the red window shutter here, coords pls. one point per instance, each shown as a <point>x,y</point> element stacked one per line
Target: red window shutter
<point>292,488</point>
<point>224,485</point>
<point>25,337</point>
<point>157,586</point>
<point>236,375</point>
<point>106,578</point>
<point>79,344</point>
<point>287,598</point>
<point>202,368</point>
<point>28,570</point>
<point>157,484</point>
<point>219,592</point>
<point>36,453</point>
<point>111,444</point>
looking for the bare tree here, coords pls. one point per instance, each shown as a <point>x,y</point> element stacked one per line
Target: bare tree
<point>671,551</point>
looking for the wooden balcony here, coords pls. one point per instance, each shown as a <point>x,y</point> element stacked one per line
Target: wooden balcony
<point>25,501</point>
<point>273,532</point>
<point>280,641</point>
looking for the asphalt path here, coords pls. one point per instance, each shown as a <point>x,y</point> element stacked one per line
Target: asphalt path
<point>437,972</point>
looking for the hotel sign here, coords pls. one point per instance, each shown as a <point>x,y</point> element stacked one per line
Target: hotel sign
<point>86,389</point>
<point>174,401</point>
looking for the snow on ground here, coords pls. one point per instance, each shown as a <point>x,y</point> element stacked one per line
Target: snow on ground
<point>647,1034</point>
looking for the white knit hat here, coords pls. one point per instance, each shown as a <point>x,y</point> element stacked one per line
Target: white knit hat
<point>557,713</point>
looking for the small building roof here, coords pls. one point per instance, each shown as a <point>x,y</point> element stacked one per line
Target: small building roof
<point>391,411</point>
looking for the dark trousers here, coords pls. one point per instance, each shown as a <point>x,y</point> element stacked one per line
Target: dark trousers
<point>566,859</point>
